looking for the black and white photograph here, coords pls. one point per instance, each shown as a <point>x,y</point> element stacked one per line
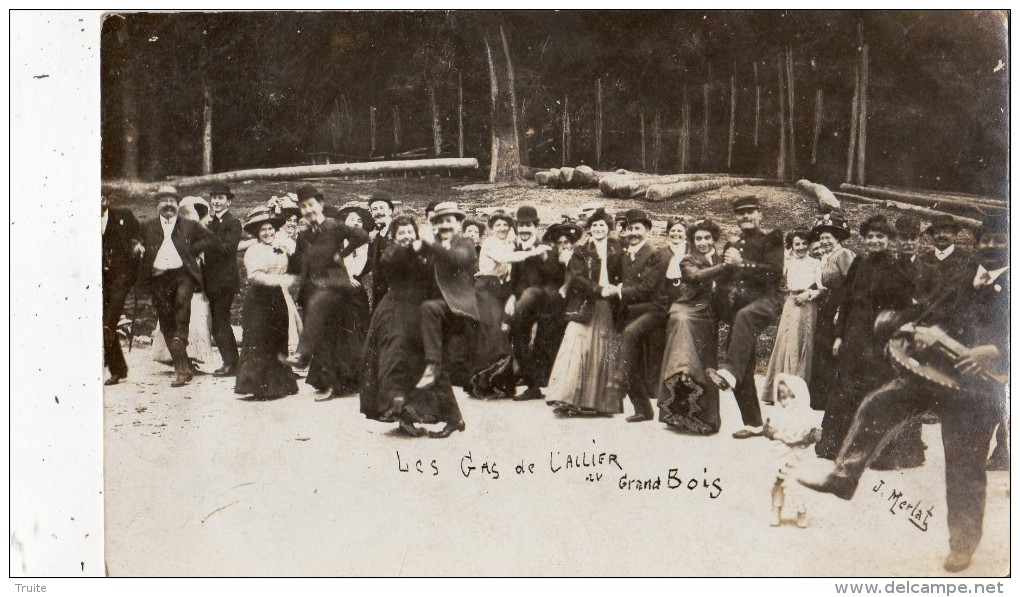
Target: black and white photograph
<point>516,293</point>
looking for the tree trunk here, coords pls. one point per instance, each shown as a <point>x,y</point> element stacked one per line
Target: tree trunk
<point>818,126</point>
<point>437,133</point>
<point>129,167</point>
<point>757,104</point>
<point>566,130</point>
<point>792,143</point>
<point>396,129</point>
<point>623,186</point>
<point>855,107</point>
<point>656,140</point>
<point>598,123</point>
<point>506,156</point>
<point>321,170</point>
<point>207,165</point>
<point>733,116</point>
<point>910,208</point>
<point>978,199</point>
<point>371,131</point>
<point>644,162</point>
<point>460,115</point>
<point>664,192</point>
<point>781,163</point>
<point>862,126</point>
<point>960,206</point>
<point>824,199</point>
<point>704,129</point>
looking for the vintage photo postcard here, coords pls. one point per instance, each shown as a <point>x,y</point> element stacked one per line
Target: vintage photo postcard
<point>473,293</point>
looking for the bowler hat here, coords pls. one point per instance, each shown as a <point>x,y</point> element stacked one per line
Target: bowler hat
<point>307,192</point>
<point>220,188</point>
<point>259,216</point>
<point>993,224</point>
<point>745,202</point>
<point>166,191</point>
<point>446,208</point>
<point>908,224</point>
<point>832,223</point>
<point>356,207</point>
<point>941,222</point>
<point>637,216</point>
<point>571,231</point>
<point>380,197</point>
<point>527,214</point>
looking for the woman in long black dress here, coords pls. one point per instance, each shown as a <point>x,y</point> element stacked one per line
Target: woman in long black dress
<point>338,370</point>
<point>264,318</point>
<point>393,353</point>
<point>830,230</point>
<point>874,283</point>
<point>688,402</point>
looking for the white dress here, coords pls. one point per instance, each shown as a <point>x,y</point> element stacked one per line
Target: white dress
<point>200,348</point>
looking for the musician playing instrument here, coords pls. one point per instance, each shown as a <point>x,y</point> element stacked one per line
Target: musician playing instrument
<point>968,401</point>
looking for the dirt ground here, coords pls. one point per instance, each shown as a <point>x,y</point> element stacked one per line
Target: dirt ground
<point>202,483</point>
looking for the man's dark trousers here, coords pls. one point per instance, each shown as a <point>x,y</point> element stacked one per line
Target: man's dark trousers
<point>748,323</point>
<point>967,421</point>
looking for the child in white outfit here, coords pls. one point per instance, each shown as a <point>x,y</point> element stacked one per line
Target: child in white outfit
<point>792,427</point>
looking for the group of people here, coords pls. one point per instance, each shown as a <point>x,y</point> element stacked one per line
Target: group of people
<point>400,311</point>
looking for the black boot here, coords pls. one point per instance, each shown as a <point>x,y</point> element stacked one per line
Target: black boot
<point>182,364</point>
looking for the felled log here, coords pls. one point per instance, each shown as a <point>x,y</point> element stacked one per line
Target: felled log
<point>586,177</point>
<point>964,207</point>
<point>664,192</point>
<point>554,178</point>
<point>298,172</point>
<point>910,209</point>
<point>627,186</point>
<point>826,200</point>
<point>981,199</point>
<point>581,177</point>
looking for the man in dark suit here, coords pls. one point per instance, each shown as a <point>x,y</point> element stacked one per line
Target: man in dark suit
<point>976,313</point>
<point>644,317</point>
<point>381,207</point>
<point>948,259</point>
<point>452,262</point>
<point>318,258</point>
<point>171,272</point>
<point>534,282</point>
<point>924,275</point>
<point>219,271</point>
<point>753,301</point>
<point>122,246</point>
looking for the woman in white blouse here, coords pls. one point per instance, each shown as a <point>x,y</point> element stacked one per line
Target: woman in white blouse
<point>493,368</point>
<point>264,317</point>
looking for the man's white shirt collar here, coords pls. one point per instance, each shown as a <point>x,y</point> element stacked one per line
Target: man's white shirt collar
<point>941,255</point>
<point>993,275</point>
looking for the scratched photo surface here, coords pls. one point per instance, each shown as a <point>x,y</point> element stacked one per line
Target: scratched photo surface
<point>887,113</point>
